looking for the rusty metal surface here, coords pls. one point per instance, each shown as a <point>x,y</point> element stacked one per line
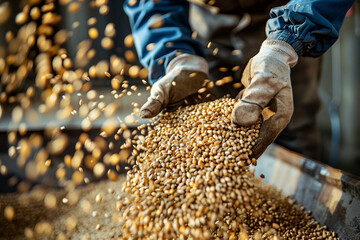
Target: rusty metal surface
<point>332,195</point>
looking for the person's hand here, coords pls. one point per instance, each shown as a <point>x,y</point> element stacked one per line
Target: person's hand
<point>266,79</point>
<point>185,75</point>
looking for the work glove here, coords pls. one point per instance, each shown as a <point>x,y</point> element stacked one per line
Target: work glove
<point>185,75</point>
<point>267,83</point>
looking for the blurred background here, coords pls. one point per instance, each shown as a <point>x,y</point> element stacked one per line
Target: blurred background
<point>340,84</point>
<point>44,119</point>
<point>79,83</point>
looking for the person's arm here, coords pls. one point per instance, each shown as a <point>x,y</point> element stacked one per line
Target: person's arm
<point>310,26</point>
<point>300,28</point>
<point>173,35</point>
<point>177,67</point>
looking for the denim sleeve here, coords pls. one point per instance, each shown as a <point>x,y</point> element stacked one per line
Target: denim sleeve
<point>172,37</point>
<point>310,26</point>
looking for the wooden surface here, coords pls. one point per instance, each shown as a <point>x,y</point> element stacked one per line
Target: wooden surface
<point>332,195</point>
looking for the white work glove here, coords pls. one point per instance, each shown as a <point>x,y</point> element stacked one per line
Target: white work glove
<point>266,79</point>
<point>185,75</point>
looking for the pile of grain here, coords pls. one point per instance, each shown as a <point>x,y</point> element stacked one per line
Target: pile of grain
<point>191,181</point>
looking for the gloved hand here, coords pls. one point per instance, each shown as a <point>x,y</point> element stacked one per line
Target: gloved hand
<point>266,79</point>
<point>185,75</point>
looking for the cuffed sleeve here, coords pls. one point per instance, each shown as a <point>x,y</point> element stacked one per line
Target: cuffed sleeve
<point>172,37</point>
<point>310,27</point>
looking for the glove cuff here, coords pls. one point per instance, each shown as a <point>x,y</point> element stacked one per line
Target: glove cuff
<point>188,62</point>
<point>280,50</point>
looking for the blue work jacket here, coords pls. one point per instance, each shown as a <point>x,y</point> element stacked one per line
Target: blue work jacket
<point>310,26</point>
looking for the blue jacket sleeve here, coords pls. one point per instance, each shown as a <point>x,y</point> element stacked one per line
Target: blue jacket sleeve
<point>173,36</point>
<point>310,26</point>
